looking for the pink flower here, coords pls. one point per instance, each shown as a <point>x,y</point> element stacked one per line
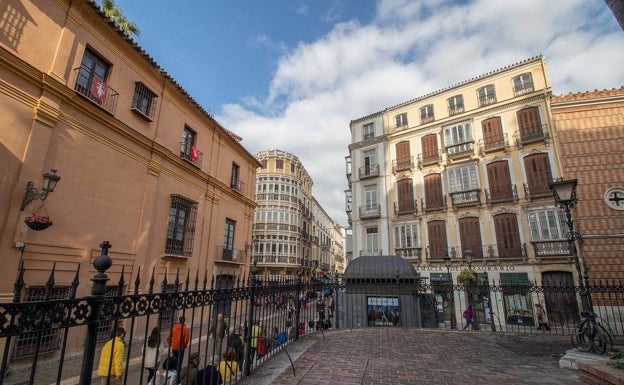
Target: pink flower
<point>34,218</point>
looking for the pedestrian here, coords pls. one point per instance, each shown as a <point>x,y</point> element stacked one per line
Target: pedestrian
<point>151,352</point>
<point>468,316</point>
<point>111,359</point>
<point>235,341</point>
<point>188,373</point>
<point>179,338</point>
<point>168,375</point>
<point>228,367</point>
<point>219,329</point>
<point>253,343</point>
<point>210,374</point>
<point>542,320</point>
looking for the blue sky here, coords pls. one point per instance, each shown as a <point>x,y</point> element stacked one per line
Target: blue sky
<point>292,74</point>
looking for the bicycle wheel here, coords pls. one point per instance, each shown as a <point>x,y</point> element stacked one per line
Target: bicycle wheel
<point>600,340</point>
<point>581,338</point>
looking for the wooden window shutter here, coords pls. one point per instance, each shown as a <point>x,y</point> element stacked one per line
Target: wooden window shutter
<point>529,123</point>
<point>437,240</point>
<point>406,195</point>
<point>499,180</point>
<point>430,147</point>
<point>507,236</point>
<point>470,236</point>
<point>538,173</point>
<point>492,132</point>
<point>433,190</point>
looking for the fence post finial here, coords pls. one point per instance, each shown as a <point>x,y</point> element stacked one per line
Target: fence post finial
<point>101,264</point>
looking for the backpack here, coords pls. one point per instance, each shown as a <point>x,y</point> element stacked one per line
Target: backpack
<point>465,315</point>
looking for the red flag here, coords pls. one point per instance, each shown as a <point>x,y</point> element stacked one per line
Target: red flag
<point>99,89</point>
<point>194,154</point>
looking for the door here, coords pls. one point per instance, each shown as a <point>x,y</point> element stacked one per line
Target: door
<point>560,298</point>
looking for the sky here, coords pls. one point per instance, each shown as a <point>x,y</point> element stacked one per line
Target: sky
<point>291,74</point>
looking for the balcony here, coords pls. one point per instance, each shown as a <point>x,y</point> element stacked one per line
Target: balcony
<point>409,253</point>
<point>370,211</point>
<point>230,255</point>
<point>487,100</point>
<point>501,194</point>
<point>493,144</point>
<point>370,252</point>
<point>429,160</point>
<point>524,88</point>
<point>550,248</point>
<point>427,119</point>
<point>437,254</point>
<point>500,251</point>
<point>529,135</point>
<point>191,154</point>
<point>368,171</point>
<point>238,186</point>
<point>537,189</point>
<point>437,205</point>
<point>402,164</point>
<point>405,207</point>
<point>95,90</point>
<point>461,150</point>
<point>466,198</point>
<point>456,110</point>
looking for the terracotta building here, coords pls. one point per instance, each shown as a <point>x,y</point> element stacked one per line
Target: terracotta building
<point>589,135</point>
<point>141,164</point>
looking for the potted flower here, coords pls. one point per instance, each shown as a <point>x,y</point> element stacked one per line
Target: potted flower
<point>38,222</point>
<point>468,277</point>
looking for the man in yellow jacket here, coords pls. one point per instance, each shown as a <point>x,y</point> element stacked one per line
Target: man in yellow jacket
<point>111,359</point>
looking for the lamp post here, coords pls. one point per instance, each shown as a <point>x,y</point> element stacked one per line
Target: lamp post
<point>447,262</point>
<point>565,197</point>
<point>50,179</point>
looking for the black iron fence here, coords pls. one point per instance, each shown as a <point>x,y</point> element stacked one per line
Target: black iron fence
<point>49,336</point>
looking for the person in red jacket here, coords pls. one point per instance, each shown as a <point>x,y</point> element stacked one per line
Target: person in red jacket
<point>179,338</point>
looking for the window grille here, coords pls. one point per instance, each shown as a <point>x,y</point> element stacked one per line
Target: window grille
<point>144,100</point>
<point>48,340</point>
<point>181,228</point>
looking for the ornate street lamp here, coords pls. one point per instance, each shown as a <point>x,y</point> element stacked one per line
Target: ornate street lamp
<point>50,179</point>
<point>565,197</point>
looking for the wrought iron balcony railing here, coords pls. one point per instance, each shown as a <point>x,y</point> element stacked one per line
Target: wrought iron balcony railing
<point>95,90</point>
<point>370,211</point>
<point>500,143</point>
<point>500,194</point>
<point>368,171</point>
<point>429,160</point>
<point>434,205</point>
<point>533,134</point>
<point>466,198</point>
<point>406,207</point>
<point>403,163</point>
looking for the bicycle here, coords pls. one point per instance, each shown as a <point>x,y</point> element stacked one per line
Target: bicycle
<point>591,335</point>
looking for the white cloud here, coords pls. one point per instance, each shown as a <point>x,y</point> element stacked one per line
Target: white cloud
<point>410,49</point>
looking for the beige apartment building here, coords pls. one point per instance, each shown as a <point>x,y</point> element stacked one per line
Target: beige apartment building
<point>141,164</point>
<point>292,232</point>
<point>464,168</point>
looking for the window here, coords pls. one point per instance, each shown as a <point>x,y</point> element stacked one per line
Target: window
<point>429,144</point>
<point>434,199</point>
<point>235,183</point>
<point>370,162</point>
<point>470,236</point>
<point>458,139</point>
<point>499,181</point>
<point>456,105</point>
<point>181,227</point>
<point>426,114</point>
<point>279,164</point>
<point>26,344</point>
<point>493,137</point>
<point>530,124</point>
<point>436,231</point>
<point>91,81</point>
<point>406,236</point>
<point>547,225</point>
<point>486,95</point>
<point>523,84</point>
<point>401,121</point>
<point>228,240</point>
<point>348,201</point>
<point>144,100</point>
<point>406,202</point>
<point>263,163</point>
<point>537,168</point>
<point>188,150</point>
<point>372,241</point>
<point>507,236</point>
<point>403,159</point>
<point>463,178</point>
<point>368,131</point>
<point>292,167</point>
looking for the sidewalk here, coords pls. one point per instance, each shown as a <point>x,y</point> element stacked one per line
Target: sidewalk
<point>420,356</point>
